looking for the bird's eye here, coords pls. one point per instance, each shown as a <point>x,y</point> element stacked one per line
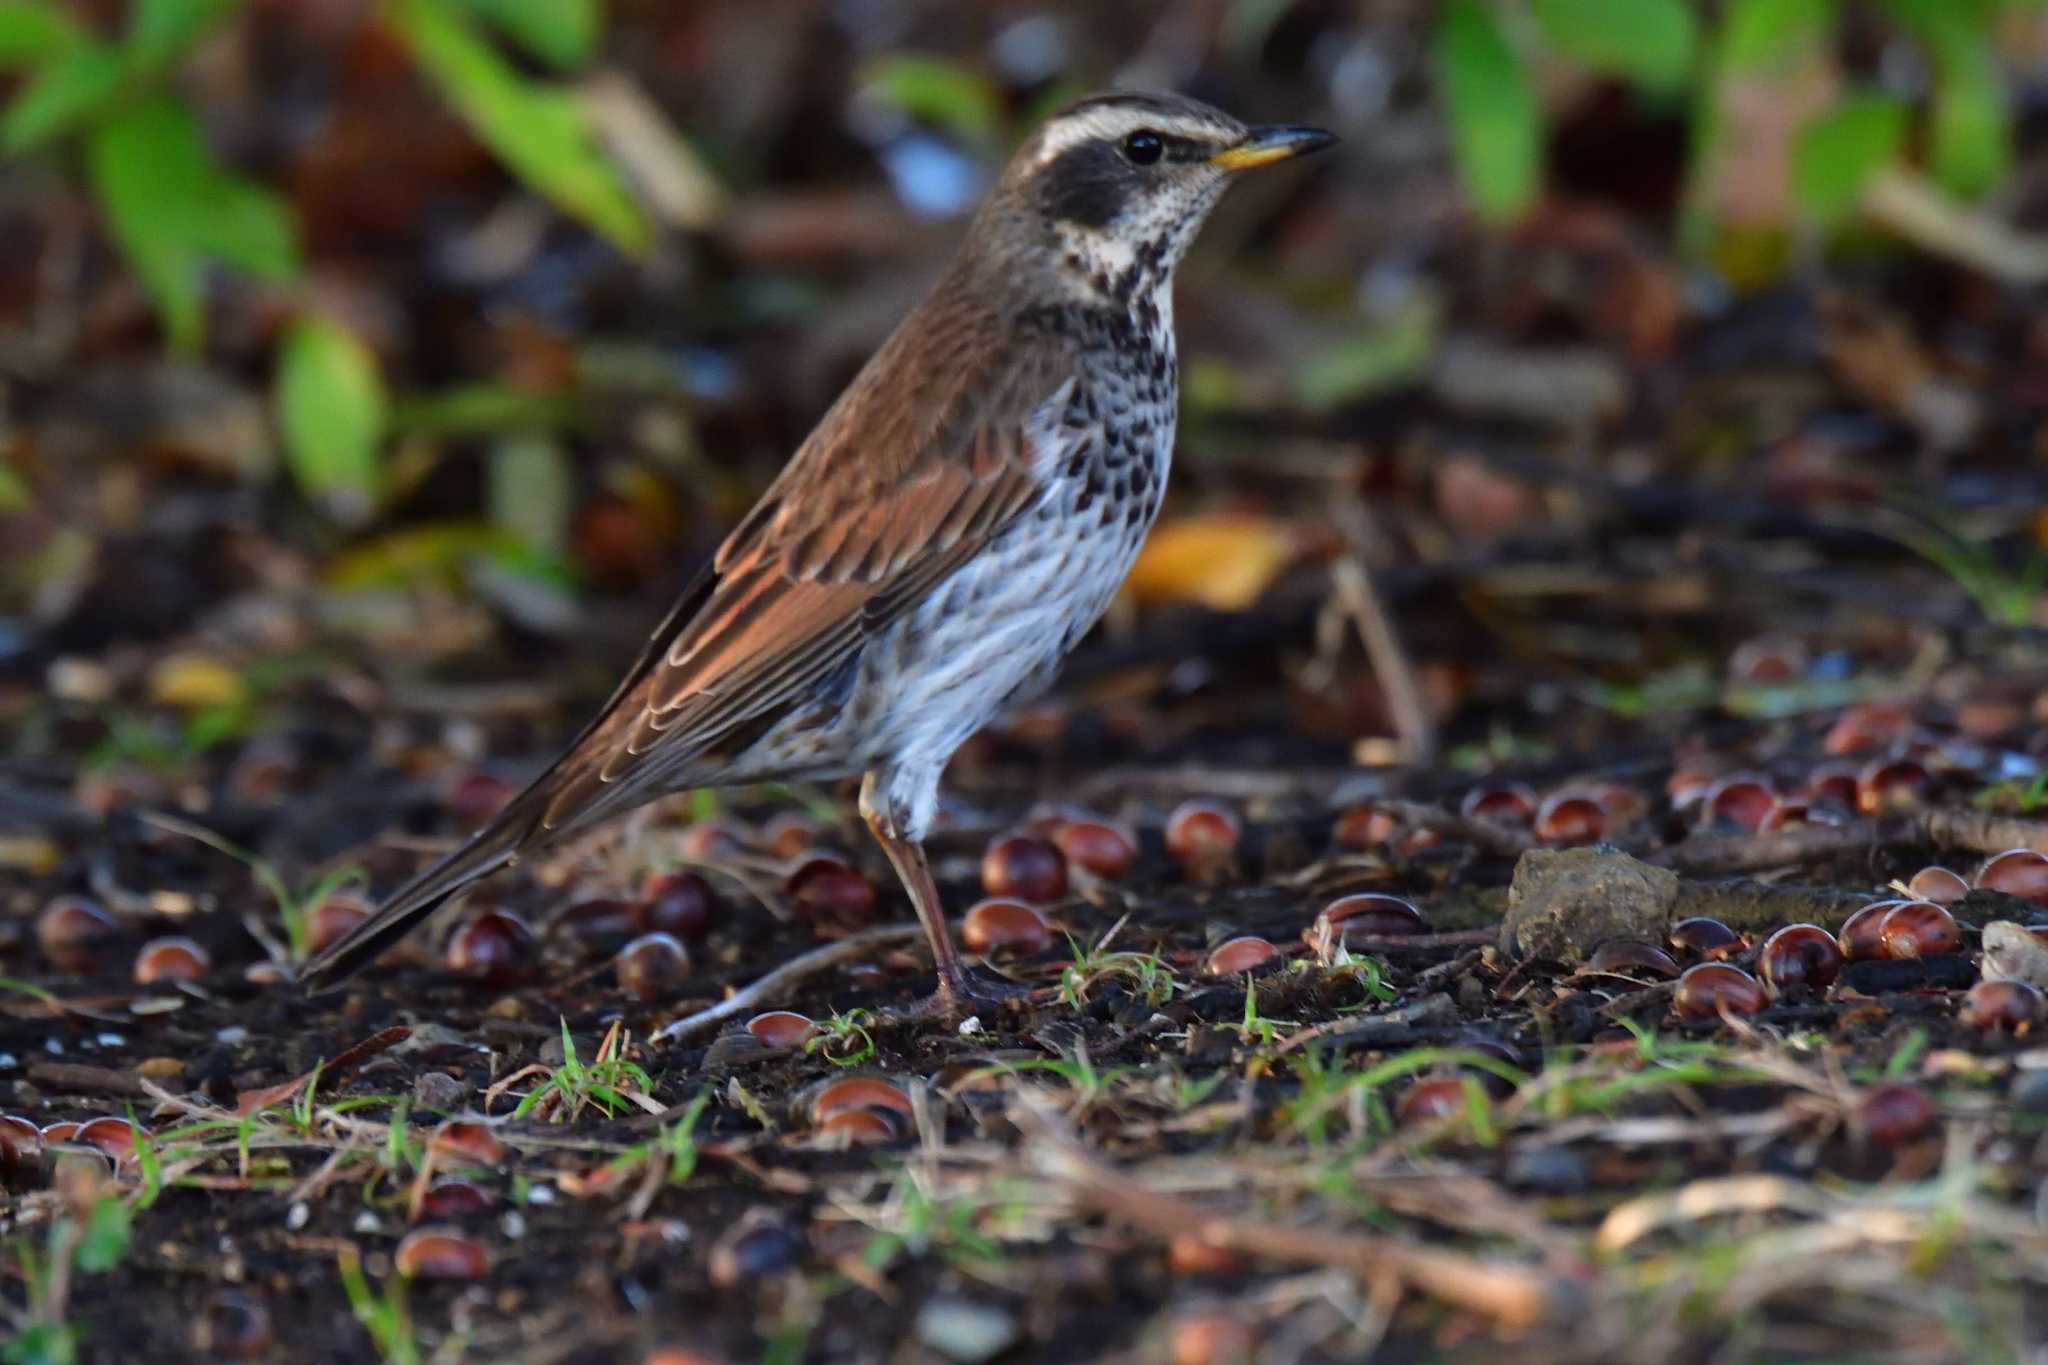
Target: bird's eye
<point>1144,147</point>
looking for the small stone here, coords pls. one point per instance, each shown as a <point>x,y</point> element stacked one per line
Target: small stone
<point>1564,903</point>
<point>1548,1170</point>
<point>438,1090</point>
<point>2012,952</point>
<point>963,1330</point>
<point>234,1325</point>
<point>758,1247</point>
<point>2029,1093</point>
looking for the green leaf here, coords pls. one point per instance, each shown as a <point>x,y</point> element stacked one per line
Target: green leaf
<point>562,33</point>
<point>1839,153</point>
<point>539,130</point>
<point>161,31</point>
<point>171,206</point>
<point>106,1236</point>
<point>332,410</point>
<point>532,491</point>
<point>245,225</point>
<point>142,164</point>
<point>1496,125</point>
<point>1651,42</point>
<point>68,92</point>
<point>1394,351</point>
<point>33,31</point>
<point>939,90</point>
<point>1969,131</point>
<point>484,410</point>
<point>42,1343</point>
<point>1758,33</point>
<point>1970,139</point>
<point>14,491</point>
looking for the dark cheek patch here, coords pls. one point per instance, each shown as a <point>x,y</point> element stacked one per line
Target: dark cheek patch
<point>1087,184</point>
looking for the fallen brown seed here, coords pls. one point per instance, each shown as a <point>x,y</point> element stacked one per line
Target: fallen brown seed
<point>441,1254</point>
<point>1240,955</point>
<point>1712,988</point>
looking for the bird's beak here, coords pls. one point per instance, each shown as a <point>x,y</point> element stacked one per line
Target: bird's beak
<point>1264,146</point>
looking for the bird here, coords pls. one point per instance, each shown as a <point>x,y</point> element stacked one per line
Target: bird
<point>961,515</point>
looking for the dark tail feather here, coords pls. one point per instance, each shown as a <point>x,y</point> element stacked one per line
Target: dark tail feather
<point>521,825</point>
<point>489,850</point>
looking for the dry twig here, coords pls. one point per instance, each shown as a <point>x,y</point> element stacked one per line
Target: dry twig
<point>1488,836</point>
<point>786,977</point>
<point>1516,1297</point>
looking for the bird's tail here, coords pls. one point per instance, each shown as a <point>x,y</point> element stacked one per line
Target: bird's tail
<point>485,852</point>
<point>572,794</point>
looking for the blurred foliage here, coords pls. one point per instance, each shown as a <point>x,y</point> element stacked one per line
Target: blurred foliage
<point>540,131</point>
<point>562,33</point>
<point>410,316</point>
<point>333,413</point>
<point>947,93</point>
<point>1491,58</point>
<point>1651,42</point>
<point>1843,149</point>
<point>174,210</point>
<point>1496,123</point>
<point>169,205</point>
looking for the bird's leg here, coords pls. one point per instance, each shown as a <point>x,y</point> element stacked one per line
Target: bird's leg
<point>959,995</point>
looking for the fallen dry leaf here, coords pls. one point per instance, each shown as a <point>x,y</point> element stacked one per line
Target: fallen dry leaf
<point>1222,560</point>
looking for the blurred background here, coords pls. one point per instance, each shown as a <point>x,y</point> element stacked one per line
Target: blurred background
<point>371,373</point>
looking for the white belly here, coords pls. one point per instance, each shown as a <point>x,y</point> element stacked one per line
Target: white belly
<point>999,625</point>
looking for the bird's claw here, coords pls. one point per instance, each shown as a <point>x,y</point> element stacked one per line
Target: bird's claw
<point>957,1002</point>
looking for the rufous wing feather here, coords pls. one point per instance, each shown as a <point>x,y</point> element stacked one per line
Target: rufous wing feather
<point>879,506</point>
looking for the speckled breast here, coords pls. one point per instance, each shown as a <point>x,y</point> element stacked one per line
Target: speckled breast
<point>997,629</point>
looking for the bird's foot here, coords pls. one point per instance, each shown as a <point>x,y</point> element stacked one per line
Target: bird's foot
<point>955,1002</point>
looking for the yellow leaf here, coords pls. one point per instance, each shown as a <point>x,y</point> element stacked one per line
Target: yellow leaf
<point>194,681</point>
<point>35,853</point>
<point>431,550</point>
<point>1222,560</point>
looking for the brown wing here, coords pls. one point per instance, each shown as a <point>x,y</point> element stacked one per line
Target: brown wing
<point>884,501</point>
<point>923,459</point>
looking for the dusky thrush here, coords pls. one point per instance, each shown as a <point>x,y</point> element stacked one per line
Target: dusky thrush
<point>957,521</point>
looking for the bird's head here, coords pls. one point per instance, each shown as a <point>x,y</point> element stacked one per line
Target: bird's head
<point>1119,184</point>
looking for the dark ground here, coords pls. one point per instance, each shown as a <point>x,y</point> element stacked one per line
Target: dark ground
<point>1636,533</point>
